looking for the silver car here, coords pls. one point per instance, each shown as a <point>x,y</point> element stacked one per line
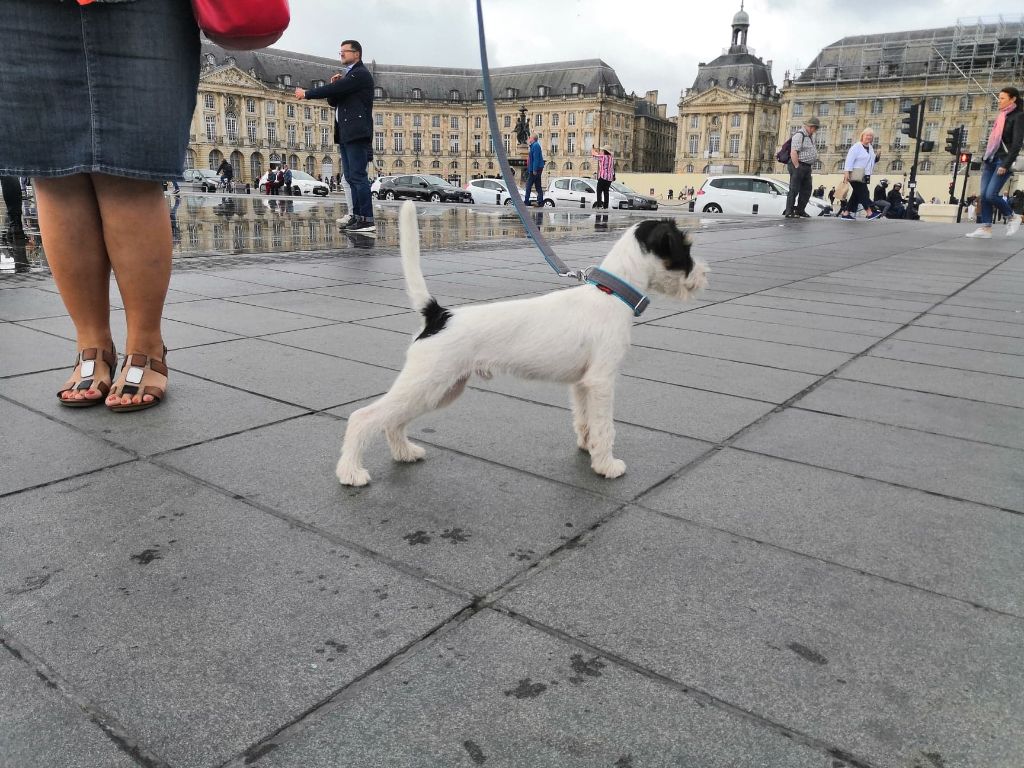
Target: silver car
<point>491,192</point>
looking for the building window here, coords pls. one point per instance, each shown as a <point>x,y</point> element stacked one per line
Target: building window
<point>734,144</point>
<point>476,143</point>
<point>323,113</point>
<point>307,112</point>
<point>436,164</point>
<point>417,142</point>
<point>378,92</point>
<point>570,142</point>
<point>453,143</point>
<point>250,106</point>
<point>453,123</point>
<point>307,135</point>
<point>554,144</point>
<point>417,93</point>
<point>476,122</point>
<point>479,94</point>
<point>966,103</point>
<point>590,118</point>
<point>877,106</point>
<point>926,166</point>
<point>714,142</point>
<point>290,110</point>
<point>208,101</point>
<point>905,103</point>
<point>931,131</point>
<point>398,121</point>
<point>378,119</point>
<point>847,134</point>
<point>572,118</point>
<point>508,143</point>
<point>508,121</point>
<point>231,125</point>
<point>577,89</point>
<point>850,108</point>
<point>823,108</point>
<point>271,130</point>
<point>693,144</point>
<point>292,137</point>
<point>689,168</point>
<point>271,108</point>
<point>325,136</point>
<point>435,143</point>
<point>211,128</point>
<point>435,121</point>
<point>417,121</point>
<point>935,104</point>
<point>538,121</point>
<point>542,90</point>
<point>554,120</point>
<point>453,95</point>
<point>399,142</point>
<point>734,121</point>
<point>378,141</point>
<point>695,119</point>
<point>252,130</point>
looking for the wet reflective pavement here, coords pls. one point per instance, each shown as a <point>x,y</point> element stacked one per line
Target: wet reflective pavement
<point>214,231</point>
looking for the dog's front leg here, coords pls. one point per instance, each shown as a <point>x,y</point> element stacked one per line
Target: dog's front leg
<point>580,418</point>
<point>599,409</point>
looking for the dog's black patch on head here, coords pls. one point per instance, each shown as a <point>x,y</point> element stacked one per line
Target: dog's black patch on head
<point>436,318</point>
<point>666,241</point>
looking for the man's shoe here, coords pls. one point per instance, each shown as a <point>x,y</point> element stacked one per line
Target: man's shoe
<point>980,232</point>
<point>844,217</point>
<point>874,215</point>
<point>802,215</point>
<point>361,227</point>
<point>344,221</point>
<point>1012,226</point>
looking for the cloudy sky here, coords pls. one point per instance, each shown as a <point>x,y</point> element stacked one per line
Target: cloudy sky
<point>651,44</point>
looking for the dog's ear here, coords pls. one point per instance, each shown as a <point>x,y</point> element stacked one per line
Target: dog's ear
<point>666,241</point>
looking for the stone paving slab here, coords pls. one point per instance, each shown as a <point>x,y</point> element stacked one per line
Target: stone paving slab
<point>826,308</point>
<point>280,372</point>
<point>241,319</point>
<point>837,655</point>
<point>963,550</point>
<point>976,313</point>
<point>772,332</point>
<point>351,341</point>
<point>30,303</point>
<point>540,440</point>
<point>26,350</point>
<point>939,414</point>
<point>177,335</point>
<point>958,468</point>
<point>848,298</point>
<point>986,342</point>
<point>951,357</point>
<point>211,287</point>
<point>316,305</point>
<point>41,727</point>
<point>200,624</point>
<point>38,449</point>
<point>801,359</point>
<point>972,325</point>
<point>802,319</point>
<point>497,692</point>
<point>194,411</point>
<point>427,515</point>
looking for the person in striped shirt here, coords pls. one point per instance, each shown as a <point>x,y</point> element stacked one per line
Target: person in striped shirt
<point>605,174</point>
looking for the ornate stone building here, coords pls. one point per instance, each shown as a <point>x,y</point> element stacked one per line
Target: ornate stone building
<point>427,119</point>
<point>866,81</point>
<point>730,115</point>
<point>655,145</point>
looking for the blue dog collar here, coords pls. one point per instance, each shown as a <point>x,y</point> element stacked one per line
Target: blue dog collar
<point>619,288</point>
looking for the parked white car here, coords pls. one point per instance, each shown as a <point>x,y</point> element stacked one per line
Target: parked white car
<point>302,184</point>
<point>487,191</point>
<point>375,186</point>
<point>736,194</point>
<point>571,190</point>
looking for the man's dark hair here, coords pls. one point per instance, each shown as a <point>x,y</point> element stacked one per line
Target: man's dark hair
<point>354,45</point>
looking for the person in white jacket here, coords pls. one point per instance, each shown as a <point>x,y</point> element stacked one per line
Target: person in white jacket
<point>860,162</point>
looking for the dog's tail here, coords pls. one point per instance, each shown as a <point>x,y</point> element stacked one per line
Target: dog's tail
<point>409,240</point>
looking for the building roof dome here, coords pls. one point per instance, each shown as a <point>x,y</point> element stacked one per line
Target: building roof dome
<point>742,18</point>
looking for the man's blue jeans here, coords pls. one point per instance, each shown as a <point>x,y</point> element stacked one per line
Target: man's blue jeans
<point>355,155</point>
<point>991,183</point>
<point>533,180</point>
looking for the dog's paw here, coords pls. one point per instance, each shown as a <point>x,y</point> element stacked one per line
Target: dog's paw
<point>409,452</point>
<point>612,469</point>
<point>358,476</point>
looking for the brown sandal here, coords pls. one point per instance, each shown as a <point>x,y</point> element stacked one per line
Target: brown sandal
<point>86,377</point>
<point>132,379</point>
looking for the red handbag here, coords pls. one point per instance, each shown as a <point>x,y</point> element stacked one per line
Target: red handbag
<point>242,25</point>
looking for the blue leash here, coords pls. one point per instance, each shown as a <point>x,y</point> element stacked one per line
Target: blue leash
<point>633,298</point>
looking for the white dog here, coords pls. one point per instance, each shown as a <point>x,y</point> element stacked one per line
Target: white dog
<point>576,336</point>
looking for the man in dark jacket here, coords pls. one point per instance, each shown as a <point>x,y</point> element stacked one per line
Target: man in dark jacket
<point>351,95</point>
<point>897,207</point>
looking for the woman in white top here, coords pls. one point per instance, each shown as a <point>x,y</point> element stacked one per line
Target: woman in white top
<point>860,157</point>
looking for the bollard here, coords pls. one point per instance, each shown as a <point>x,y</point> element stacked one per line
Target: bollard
<point>248,189</point>
<point>755,209</point>
<point>691,205</point>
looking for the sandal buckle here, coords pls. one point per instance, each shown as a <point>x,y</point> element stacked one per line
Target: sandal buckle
<point>134,375</point>
<point>87,368</point>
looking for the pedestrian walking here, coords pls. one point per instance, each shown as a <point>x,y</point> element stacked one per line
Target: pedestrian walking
<point>605,174</point>
<point>351,95</point>
<point>534,169</point>
<point>802,156</point>
<point>1001,151</point>
<point>99,127</point>
<point>13,198</point>
<point>860,162</point>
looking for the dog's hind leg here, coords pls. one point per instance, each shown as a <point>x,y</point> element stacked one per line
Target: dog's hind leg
<point>402,449</point>
<point>580,418</point>
<point>600,403</point>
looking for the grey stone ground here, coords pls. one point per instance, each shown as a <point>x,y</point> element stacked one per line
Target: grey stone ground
<point>814,559</point>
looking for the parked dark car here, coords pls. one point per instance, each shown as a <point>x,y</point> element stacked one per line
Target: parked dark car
<point>423,187</point>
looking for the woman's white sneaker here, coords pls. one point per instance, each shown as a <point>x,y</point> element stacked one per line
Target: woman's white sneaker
<point>1012,226</point>
<point>982,232</point>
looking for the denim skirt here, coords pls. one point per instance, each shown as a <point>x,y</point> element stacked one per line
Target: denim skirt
<point>101,88</point>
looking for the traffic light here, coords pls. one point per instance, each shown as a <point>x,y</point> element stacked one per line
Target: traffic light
<point>953,141</point>
<point>912,116</point>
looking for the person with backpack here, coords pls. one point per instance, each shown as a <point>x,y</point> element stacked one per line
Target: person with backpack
<point>799,159</point>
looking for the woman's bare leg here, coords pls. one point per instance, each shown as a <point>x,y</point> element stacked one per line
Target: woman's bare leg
<point>72,233</point>
<point>137,233</point>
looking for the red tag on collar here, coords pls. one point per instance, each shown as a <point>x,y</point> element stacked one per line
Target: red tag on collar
<point>604,288</point>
